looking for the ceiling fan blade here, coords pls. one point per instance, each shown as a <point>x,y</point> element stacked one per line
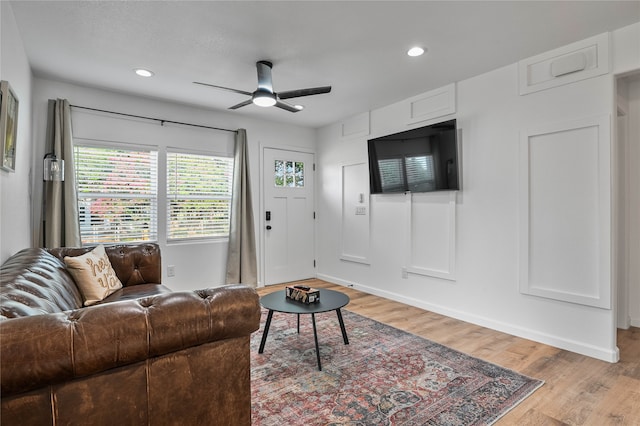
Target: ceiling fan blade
<point>304,92</point>
<point>286,106</point>
<point>242,92</point>
<point>241,104</point>
<point>264,76</point>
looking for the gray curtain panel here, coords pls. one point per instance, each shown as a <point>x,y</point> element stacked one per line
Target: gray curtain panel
<point>241,258</point>
<point>60,227</point>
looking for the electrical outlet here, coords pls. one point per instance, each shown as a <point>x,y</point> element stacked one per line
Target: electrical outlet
<point>171,270</point>
<point>361,210</point>
<point>405,274</point>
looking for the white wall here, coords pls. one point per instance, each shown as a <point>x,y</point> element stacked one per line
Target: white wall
<point>15,220</point>
<point>632,228</point>
<point>492,117</point>
<point>626,43</point>
<point>196,265</point>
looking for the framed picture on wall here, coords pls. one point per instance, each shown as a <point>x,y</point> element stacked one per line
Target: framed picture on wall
<point>8,126</point>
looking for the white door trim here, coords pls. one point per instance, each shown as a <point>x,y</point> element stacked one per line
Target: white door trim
<point>261,204</point>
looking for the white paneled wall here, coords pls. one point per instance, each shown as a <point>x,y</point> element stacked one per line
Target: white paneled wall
<point>431,231</point>
<point>355,213</point>
<point>430,105</point>
<point>357,126</point>
<point>568,64</point>
<point>525,246</point>
<point>565,212</point>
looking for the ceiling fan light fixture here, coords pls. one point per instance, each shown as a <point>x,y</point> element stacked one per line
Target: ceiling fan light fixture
<point>264,99</point>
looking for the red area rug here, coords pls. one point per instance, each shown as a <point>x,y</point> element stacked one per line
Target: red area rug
<point>385,376</point>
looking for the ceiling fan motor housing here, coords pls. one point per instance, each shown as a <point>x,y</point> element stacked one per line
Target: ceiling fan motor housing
<point>264,95</point>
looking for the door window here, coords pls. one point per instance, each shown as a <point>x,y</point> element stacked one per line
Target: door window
<point>288,174</point>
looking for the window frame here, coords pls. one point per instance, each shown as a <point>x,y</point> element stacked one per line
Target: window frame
<point>105,144</point>
<point>166,217</point>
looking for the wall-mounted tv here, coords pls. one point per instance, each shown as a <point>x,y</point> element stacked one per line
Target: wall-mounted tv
<point>419,160</point>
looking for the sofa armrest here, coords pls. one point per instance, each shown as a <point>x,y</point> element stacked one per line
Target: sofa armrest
<point>44,350</point>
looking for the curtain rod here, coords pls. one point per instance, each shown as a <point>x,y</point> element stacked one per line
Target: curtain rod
<point>154,119</point>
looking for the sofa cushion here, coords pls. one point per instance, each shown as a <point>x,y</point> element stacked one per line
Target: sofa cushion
<point>93,274</point>
<point>134,263</point>
<point>136,292</point>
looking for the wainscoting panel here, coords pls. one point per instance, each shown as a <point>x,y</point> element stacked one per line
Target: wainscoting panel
<point>574,62</point>
<point>564,212</point>
<point>355,213</point>
<point>356,126</point>
<point>432,234</point>
<point>433,104</point>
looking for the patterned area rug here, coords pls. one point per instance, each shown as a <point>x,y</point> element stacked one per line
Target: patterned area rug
<point>385,376</point>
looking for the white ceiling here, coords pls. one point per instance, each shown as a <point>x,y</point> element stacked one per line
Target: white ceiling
<point>358,47</point>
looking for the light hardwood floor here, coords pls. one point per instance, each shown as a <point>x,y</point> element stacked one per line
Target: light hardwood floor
<point>578,390</point>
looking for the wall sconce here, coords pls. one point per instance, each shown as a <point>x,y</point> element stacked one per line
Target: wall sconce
<point>53,168</point>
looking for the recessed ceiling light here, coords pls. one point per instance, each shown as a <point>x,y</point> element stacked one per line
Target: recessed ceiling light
<point>299,107</point>
<point>415,51</point>
<point>143,72</point>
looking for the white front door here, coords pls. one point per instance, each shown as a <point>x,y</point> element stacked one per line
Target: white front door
<point>288,216</point>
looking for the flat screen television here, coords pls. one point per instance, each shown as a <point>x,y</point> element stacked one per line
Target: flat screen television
<point>419,160</point>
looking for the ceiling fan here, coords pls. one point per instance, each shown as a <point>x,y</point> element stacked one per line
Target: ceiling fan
<point>264,95</point>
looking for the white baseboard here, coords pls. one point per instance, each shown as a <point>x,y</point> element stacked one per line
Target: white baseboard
<point>635,322</point>
<point>603,354</point>
<point>624,324</point>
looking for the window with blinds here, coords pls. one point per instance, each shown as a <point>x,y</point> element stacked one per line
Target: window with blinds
<point>391,174</point>
<point>198,195</point>
<point>420,173</point>
<point>117,194</point>
<point>417,171</point>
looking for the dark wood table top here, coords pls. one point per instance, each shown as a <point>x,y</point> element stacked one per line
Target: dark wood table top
<point>330,300</point>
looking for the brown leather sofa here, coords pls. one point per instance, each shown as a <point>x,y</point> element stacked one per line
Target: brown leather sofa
<point>155,357</point>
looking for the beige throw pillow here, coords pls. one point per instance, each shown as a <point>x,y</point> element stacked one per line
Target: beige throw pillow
<point>93,274</point>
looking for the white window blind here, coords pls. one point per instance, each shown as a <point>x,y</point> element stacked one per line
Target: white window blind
<point>420,173</point>
<point>117,194</point>
<point>198,195</point>
<point>391,174</point>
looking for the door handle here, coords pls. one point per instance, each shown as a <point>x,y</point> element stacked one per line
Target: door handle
<point>268,227</point>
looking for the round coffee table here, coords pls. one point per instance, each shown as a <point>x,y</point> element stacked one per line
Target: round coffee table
<point>330,300</point>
